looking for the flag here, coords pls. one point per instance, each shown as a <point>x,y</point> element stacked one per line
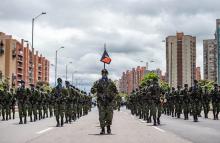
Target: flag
<point>105,58</point>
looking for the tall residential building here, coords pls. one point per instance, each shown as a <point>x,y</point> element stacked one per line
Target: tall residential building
<point>180,59</point>
<point>217,37</point>
<point>210,59</point>
<point>198,73</point>
<point>131,79</point>
<point>16,59</point>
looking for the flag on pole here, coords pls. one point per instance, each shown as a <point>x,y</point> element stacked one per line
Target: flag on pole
<point>105,58</point>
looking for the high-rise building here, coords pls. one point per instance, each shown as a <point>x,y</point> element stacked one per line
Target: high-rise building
<point>131,79</point>
<point>180,59</point>
<point>217,37</point>
<point>198,73</point>
<point>210,59</point>
<point>15,62</point>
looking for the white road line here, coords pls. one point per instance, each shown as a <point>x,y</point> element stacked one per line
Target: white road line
<point>43,131</point>
<point>161,130</point>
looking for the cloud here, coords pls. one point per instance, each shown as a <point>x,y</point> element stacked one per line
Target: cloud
<point>132,29</point>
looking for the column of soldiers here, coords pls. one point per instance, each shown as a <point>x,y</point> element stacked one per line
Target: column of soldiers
<point>150,101</point>
<point>66,102</point>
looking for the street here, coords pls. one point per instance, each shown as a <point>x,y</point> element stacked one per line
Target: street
<point>126,128</point>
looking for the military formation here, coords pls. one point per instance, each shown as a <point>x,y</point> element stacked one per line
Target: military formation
<point>150,101</point>
<point>67,103</point>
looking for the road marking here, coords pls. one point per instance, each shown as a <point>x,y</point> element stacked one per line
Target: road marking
<point>161,130</point>
<point>43,131</point>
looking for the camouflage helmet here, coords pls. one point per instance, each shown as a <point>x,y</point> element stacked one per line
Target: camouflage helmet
<point>59,80</point>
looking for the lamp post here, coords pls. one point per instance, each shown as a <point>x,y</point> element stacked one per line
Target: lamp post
<point>67,70</point>
<point>56,65</point>
<point>32,41</point>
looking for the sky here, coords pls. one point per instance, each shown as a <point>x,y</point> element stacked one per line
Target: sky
<point>133,30</point>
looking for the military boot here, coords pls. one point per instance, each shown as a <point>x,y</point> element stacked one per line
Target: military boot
<point>31,119</point>
<point>21,122</point>
<point>58,122</point>
<point>102,131</point>
<point>155,123</point>
<point>158,121</point>
<point>25,120</point>
<point>61,121</point>
<point>108,129</point>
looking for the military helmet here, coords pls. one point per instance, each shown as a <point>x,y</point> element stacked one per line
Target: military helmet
<point>67,82</point>
<point>185,85</point>
<point>104,71</point>
<point>59,80</point>
<point>22,81</point>
<point>195,81</point>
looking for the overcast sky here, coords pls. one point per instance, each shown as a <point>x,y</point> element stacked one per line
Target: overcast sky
<point>132,29</point>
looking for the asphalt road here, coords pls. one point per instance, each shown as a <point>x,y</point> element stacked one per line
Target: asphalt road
<point>125,129</point>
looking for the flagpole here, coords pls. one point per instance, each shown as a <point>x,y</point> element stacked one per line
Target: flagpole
<point>104,50</point>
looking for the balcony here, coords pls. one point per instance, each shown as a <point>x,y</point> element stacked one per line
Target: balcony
<point>20,60</point>
<point>20,53</point>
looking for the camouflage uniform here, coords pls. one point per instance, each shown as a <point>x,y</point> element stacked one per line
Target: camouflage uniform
<point>105,91</point>
<point>59,104</point>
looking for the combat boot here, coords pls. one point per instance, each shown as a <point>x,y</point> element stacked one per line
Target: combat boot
<point>25,120</point>
<point>155,123</point>
<point>61,121</point>
<point>102,131</point>
<point>21,122</point>
<point>108,129</point>
<point>158,121</point>
<point>31,119</point>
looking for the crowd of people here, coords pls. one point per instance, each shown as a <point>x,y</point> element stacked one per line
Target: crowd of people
<point>66,103</point>
<point>151,101</point>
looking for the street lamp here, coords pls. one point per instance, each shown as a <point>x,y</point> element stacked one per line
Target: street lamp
<point>32,41</point>
<point>56,65</point>
<point>67,69</point>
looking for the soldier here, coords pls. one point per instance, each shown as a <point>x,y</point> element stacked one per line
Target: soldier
<point>215,101</point>
<point>34,101</point>
<point>59,105</point>
<point>39,102</point>
<point>178,102</point>
<point>50,102</point>
<point>13,103</point>
<point>118,102</point>
<point>22,102</point>
<point>206,101</point>
<point>30,104</point>
<point>196,93</point>
<point>68,103</point>
<point>186,101</point>
<point>155,109</point>
<point>105,91</point>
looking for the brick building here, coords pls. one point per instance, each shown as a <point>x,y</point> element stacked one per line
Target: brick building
<point>16,60</point>
<point>131,79</point>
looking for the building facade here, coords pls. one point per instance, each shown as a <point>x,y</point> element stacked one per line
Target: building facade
<point>217,37</point>
<point>180,59</point>
<point>198,73</point>
<point>210,59</point>
<point>131,79</point>
<point>16,60</point>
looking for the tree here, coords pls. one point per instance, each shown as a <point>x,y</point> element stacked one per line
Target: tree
<point>165,86</point>
<point>206,83</point>
<point>148,78</point>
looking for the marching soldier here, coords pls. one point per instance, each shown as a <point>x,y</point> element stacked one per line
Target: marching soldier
<point>59,104</point>
<point>206,101</point>
<point>105,91</point>
<point>22,102</point>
